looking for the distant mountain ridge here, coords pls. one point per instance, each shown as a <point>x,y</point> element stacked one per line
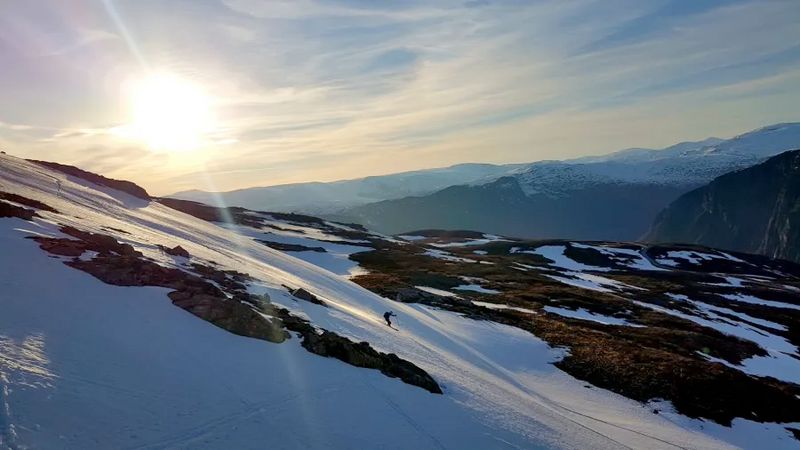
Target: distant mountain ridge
<point>755,210</point>
<point>319,198</point>
<point>615,197</point>
<point>680,168</point>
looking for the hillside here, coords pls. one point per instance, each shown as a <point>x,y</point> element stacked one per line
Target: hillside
<point>753,210</point>
<point>604,211</point>
<point>153,323</point>
<point>323,198</point>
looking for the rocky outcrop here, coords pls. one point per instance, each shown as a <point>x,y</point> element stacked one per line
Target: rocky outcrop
<point>362,355</point>
<point>291,247</point>
<point>9,210</point>
<point>26,201</point>
<point>175,251</point>
<point>303,294</point>
<point>238,312</point>
<point>120,185</point>
<point>756,210</point>
<point>230,315</point>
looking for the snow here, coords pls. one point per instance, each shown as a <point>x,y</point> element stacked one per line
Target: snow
<point>631,258</point>
<point>500,306</point>
<point>581,313</point>
<point>93,366</point>
<point>555,253</point>
<point>778,364</point>
<point>745,434</point>
<point>691,256</point>
<point>412,238</point>
<point>480,252</point>
<point>435,291</point>
<point>336,258</point>
<point>757,301</point>
<point>729,282</point>
<point>591,282</point>
<point>475,288</point>
<point>441,254</point>
<point>487,238</point>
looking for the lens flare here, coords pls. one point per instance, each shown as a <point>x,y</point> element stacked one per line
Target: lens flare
<point>169,113</point>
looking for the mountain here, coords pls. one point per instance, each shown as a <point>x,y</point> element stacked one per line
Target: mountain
<point>602,211</point>
<point>755,210</point>
<point>320,198</point>
<point>133,322</point>
<point>614,197</point>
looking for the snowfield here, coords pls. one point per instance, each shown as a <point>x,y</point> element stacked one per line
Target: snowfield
<point>88,365</point>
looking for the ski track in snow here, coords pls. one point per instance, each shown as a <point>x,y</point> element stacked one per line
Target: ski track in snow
<point>107,366</point>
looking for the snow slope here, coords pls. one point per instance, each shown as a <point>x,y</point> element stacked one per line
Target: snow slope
<point>93,366</point>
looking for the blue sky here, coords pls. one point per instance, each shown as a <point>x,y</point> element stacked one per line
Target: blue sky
<point>306,90</point>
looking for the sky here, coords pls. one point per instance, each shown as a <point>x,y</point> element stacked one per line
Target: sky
<point>323,90</point>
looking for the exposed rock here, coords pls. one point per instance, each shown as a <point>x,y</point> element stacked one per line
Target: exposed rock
<point>230,280</point>
<point>9,210</point>
<point>26,201</point>
<point>230,315</point>
<point>239,315</point>
<point>101,243</point>
<point>303,294</point>
<point>120,185</point>
<point>291,247</point>
<point>199,210</point>
<point>62,247</point>
<point>754,210</point>
<point>362,355</point>
<point>795,432</point>
<point>175,251</point>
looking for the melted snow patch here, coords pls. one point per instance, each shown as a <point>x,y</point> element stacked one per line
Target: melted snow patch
<point>555,253</point>
<point>627,257</point>
<point>592,282</point>
<point>487,238</point>
<point>412,238</point>
<point>499,306</point>
<point>435,291</point>
<point>729,282</point>
<point>779,364</point>
<point>757,301</point>
<point>744,434</point>
<point>581,313</point>
<point>441,254</point>
<point>693,257</point>
<point>475,288</point>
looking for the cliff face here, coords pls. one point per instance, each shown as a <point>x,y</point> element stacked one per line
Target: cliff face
<point>756,210</point>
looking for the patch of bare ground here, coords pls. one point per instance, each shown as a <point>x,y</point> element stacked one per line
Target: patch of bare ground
<point>661,358</point>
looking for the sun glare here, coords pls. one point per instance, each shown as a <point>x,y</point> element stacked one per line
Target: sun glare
<point>169,113</point>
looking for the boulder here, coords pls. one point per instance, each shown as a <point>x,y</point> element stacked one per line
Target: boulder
<point>9,210</point>
<point>176,251</point>
<point>303,294</point>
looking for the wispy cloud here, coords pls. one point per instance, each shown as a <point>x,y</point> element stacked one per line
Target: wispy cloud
<point>331,89</point>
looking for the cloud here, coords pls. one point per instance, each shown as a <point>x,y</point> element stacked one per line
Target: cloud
<point>332,89</point>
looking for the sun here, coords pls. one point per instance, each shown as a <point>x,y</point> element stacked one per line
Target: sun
<point>169,113</point>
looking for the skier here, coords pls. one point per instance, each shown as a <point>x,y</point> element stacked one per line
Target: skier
<point>387,315</point>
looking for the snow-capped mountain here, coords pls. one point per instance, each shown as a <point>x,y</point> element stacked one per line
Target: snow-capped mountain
<point>320,198</point>
<point>613,197</point>
<point>684,164</point>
